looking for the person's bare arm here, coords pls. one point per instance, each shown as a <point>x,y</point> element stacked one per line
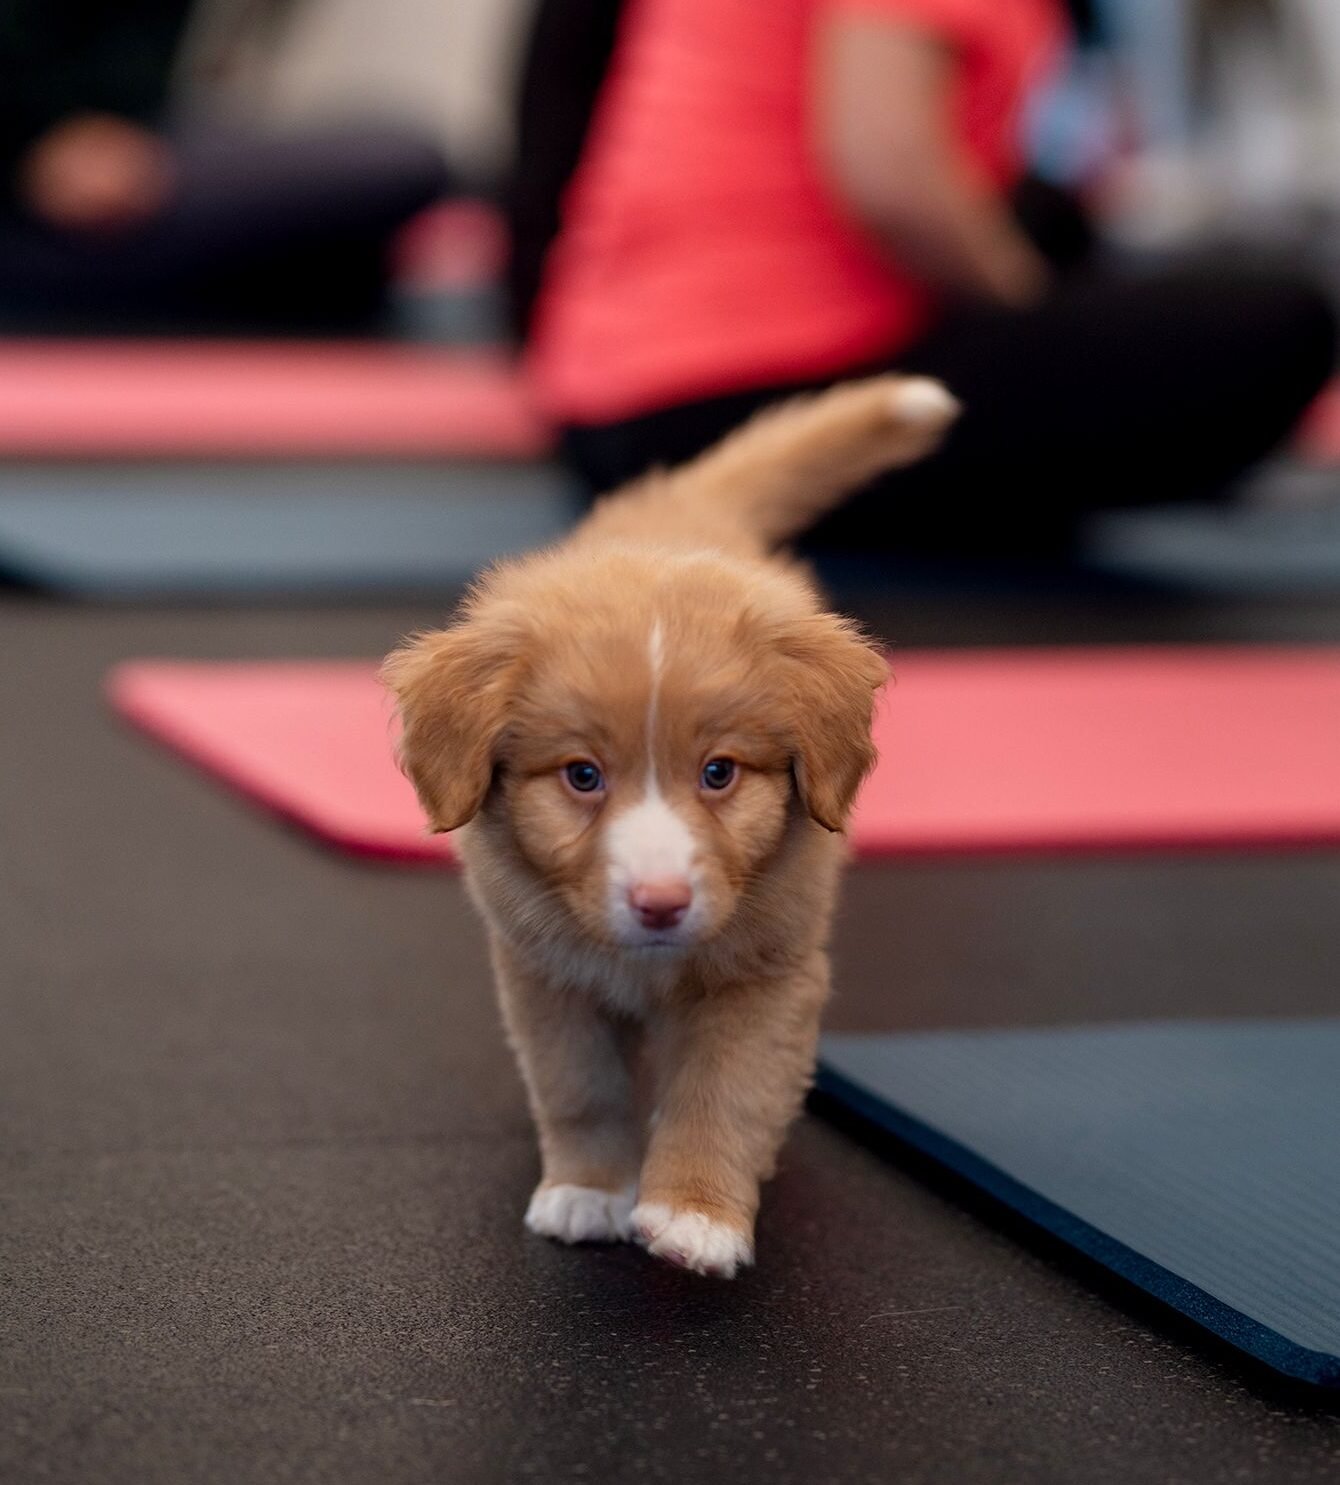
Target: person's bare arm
<point>881,109</point>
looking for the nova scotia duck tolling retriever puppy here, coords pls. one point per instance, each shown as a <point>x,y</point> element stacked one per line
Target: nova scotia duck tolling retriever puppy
<point>647,740</point>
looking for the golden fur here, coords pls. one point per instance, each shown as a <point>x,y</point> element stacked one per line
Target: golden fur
<point>660,945</point>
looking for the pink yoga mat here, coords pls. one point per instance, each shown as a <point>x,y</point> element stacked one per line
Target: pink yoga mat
<point>77,399</point>
<point>981,751</point>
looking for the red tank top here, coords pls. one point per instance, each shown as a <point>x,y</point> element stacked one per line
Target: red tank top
<point>701,250</point>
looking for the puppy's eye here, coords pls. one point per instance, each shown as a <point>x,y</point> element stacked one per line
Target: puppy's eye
<point>718,773</point>
<point>584,777</point>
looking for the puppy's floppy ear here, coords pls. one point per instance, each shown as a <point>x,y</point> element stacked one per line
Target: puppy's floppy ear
<point>834,677</point>
<point>454,688</point>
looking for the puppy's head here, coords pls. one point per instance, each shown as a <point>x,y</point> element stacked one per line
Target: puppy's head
<point>638,732</point>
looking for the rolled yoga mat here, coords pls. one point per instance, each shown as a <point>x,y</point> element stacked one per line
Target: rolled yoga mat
<point>981,752</point>
<point>1198,1161</point>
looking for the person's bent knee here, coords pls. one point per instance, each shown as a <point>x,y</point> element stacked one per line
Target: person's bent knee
<point>1313,328</point>
<point>1290,323</point>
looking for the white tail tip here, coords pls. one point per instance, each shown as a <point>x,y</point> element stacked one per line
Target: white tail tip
<point>920,399</point>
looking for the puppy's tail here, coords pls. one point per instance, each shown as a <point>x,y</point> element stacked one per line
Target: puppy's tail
<point>786,467</point>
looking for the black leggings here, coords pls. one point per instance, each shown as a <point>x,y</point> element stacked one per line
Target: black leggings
<point>263,232</point>
<point>1114,392</point>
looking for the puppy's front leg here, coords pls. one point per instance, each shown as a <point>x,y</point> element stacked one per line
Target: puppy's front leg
<point>580,1093</point>
<point>734,1065</point>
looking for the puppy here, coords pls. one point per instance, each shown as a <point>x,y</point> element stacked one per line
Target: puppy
<point>648,740</point>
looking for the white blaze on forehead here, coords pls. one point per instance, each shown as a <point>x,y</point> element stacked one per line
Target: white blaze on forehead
<point>656,662</point>
<point>649,841</point>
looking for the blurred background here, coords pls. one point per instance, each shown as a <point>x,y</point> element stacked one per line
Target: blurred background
<point>1133,202</point>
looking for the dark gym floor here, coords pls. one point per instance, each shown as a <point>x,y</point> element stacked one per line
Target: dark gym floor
<point>264,1155</point>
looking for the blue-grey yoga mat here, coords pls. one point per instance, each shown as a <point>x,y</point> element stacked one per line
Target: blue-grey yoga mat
<point>181,530</point>
<point>1200,1161</point>
<point>1290,547</point>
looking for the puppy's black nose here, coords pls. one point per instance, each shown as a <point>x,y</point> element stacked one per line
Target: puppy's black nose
<point>662,903</point>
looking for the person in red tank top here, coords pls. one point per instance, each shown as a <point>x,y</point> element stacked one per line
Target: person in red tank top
<point>774,196</point>
<point>704,247</point>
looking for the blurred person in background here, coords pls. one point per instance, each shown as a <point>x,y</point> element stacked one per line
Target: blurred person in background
<point>766,199</point>
<point>115,214</point>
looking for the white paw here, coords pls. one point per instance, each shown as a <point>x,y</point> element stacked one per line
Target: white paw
<point>692,1240</point>
<point>581,1214</point>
